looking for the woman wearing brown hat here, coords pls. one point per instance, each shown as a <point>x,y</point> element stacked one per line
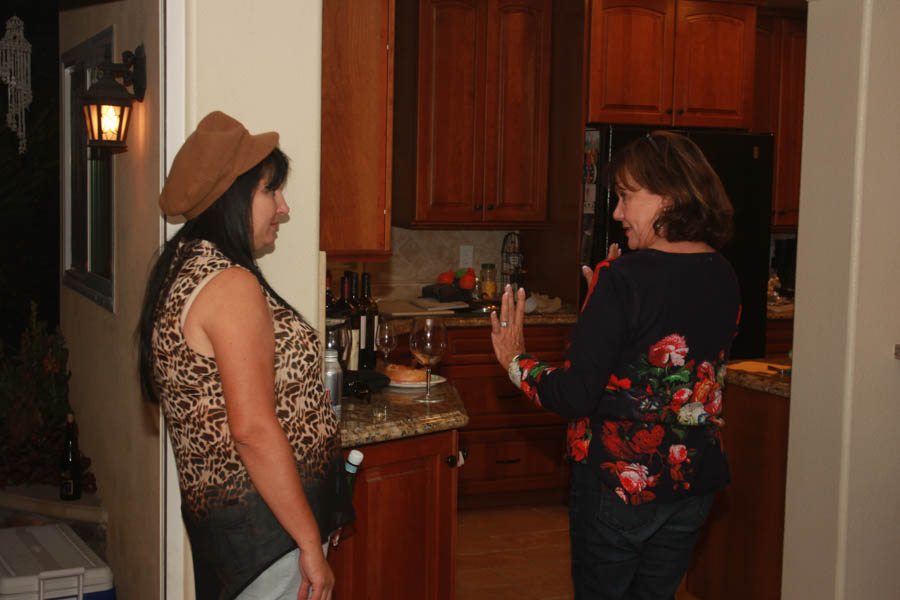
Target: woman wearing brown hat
<point>236,370</point>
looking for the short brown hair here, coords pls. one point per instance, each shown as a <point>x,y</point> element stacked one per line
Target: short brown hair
<point>671,165</point>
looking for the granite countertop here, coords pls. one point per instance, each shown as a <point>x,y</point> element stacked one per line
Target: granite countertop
<point>749,375</point>
<point>780,310</point>
<point>392,414</point>
<point>484,320</point>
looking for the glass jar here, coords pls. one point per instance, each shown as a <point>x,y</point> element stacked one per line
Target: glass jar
<point>488,281</point>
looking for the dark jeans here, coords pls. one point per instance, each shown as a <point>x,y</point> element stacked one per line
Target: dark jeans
<point>623,552</point>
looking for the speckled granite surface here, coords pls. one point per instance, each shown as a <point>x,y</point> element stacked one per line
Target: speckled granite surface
<point>484,320</point>
<point>780,311</point>
<point>393,414</point>
<point>778,385</point>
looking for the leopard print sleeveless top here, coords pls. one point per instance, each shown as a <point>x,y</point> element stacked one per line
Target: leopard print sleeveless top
<point>218,498</point>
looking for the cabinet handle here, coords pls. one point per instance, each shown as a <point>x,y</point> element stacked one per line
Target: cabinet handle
<point>508,461</point>
<point>490,207</point>
<point>781,213</point>
<point>478,206</point>
<point>451,461</point>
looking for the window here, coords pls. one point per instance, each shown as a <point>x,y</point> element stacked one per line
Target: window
<point>87,180</point>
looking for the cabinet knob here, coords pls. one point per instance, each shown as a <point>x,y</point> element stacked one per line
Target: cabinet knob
<point>668,111</point>
<point>451,461</point>
<point>680,111</point>
<point>478,206</point>
<point>490,207</point>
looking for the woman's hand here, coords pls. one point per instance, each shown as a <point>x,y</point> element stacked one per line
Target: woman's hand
<point>507,334</point>
<point>614,252</point>
<point>318,580</point>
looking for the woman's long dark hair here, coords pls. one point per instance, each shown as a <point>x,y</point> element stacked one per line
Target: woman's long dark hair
<point>227,224</point>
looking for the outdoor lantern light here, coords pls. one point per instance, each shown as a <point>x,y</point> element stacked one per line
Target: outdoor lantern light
<point>107,105</point>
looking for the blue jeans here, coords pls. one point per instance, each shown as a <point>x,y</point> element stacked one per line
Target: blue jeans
<point>623,552</point>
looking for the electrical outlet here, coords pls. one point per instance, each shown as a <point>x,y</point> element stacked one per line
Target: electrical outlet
<point>465,257</point>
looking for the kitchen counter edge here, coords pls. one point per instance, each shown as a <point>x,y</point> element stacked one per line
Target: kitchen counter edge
<point>393,414</point>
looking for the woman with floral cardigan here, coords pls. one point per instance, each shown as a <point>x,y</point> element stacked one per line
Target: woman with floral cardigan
<point>642,383</point>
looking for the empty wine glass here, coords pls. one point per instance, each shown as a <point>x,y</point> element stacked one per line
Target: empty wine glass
<point>386,338</point>
<point>427,342</point>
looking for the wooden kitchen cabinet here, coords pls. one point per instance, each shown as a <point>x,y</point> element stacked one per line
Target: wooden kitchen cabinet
<point>738,555</point>
<point>481,113</point>
<point>685,63</point>
<point>402,545</point>
<point>357,112</point>
<point>789,135</point>
<point>778,106</point>
<point>513,447</point>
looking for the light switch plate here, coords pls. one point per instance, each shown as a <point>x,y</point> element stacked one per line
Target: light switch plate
<point>465,257</point>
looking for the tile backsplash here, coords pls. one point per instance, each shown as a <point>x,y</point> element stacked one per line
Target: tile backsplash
<point>418,257</point>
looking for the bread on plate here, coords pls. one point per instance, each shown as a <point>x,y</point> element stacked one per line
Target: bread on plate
<point>403,374</point>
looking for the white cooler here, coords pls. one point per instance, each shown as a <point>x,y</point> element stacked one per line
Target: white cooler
<point>50,561</point>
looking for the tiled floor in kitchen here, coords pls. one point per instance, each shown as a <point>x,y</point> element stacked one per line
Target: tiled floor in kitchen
<point>519,552</point>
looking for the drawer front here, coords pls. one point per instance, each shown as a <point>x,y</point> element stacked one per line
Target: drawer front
<point>492,401</point>
<point>502,460</point>
<point>472,345</point>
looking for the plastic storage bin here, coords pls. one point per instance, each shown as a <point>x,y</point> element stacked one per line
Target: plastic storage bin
<point>50,561</point>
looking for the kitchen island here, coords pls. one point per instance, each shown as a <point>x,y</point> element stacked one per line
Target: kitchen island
<point>402,544</point>
<point>739,554</point>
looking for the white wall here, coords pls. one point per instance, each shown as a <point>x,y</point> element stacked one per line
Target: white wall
<point>260,62</point>
<point>843,490</point>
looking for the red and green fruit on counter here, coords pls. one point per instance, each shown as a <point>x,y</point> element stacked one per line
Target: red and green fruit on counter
<point>461,278</point>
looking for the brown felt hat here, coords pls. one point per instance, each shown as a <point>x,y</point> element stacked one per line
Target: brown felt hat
<point>219,150</point>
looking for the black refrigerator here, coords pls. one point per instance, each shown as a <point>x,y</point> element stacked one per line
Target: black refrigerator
<point>743,162</point>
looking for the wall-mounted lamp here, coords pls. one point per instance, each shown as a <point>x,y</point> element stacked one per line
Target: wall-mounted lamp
<point>107,105</point>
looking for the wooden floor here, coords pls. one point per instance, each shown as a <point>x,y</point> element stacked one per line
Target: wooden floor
<point>517,553</point>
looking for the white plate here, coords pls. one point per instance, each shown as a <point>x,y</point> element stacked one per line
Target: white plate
<point>435,379</point>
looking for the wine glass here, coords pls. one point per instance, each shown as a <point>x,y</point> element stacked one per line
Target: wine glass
<point>386,338</point>
<point>427,342</point>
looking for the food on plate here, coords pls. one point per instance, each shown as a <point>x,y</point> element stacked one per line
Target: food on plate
<point>403,374</point>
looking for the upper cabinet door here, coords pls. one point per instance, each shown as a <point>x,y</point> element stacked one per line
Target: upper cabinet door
<point>357,112</point>
<point>788,140</point>
<point>631,61</point>
<point>765,79</point>
<point>450,144</point>
<point>517,110</point>
<point>714,58</point>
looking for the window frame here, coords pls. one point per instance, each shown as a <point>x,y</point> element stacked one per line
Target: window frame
<point>76,189</point>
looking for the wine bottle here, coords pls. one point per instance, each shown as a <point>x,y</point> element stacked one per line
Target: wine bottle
<point>367,331</point>
<point>70,466</point>
<point>329,297</point>
<point>340,316</point>
<point>355,321</point>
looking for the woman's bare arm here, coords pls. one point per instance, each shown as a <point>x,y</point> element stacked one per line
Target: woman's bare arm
<point>232,312</point>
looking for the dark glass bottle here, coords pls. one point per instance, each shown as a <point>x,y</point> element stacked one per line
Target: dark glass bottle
<point>70,466</point>
<point>368,328</point>
<point>329,297</point>
<point>355,321</point>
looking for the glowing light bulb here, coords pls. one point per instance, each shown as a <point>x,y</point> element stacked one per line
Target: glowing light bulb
<point>109,121</point>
